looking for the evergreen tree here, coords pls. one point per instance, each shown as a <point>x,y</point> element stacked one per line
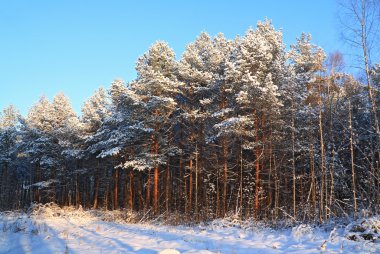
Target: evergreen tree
<point>158,86</point>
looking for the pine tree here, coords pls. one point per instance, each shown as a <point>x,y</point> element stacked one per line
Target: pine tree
<point>307,60</point>
<point>201,69</point>
<point>158,86</point>
<point>256,71</point>
<point>9,141</point>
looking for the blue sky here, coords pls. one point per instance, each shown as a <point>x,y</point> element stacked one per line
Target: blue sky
<point>76,46</point>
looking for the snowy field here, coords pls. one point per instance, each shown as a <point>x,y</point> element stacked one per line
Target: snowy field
<point>83,232</point>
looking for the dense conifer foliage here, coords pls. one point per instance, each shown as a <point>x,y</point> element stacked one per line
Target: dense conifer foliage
<point>241,126</point>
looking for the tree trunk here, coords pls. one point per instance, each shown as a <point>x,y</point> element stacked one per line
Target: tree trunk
<point>156,175</point>
<point>190,208</point>
<point>293,165</point>
<point>106,197</point>
<point>130,195</point>
<point>217,208</point>
<point>241,180</point>
<point>77,200</point>
<point>276,189</point>
<point>96,192</point>
<point>312,169</point>
<point>371,91</point>
<point>225,170</point>
<point>115,192</point>
<point>125,189</point>
<point>147,192</point>
<point>352,157</point>
<point>196,181</point>
<point>257,166</point>
<point>323,168</point>
<point>167,187</point>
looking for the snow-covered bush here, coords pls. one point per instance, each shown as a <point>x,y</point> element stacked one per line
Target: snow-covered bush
<point>51,210</point>
<point>120,216</point>
<point>234,220</point>
<point>302,231</point>
<point>367,229</point>
<point>17,222</point>
<point>45,210</point>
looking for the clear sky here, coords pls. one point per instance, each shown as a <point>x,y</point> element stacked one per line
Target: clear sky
<point>77,46</point>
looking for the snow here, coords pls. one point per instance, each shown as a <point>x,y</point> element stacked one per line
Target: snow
<point>42,184</point>
<point>76,231</point>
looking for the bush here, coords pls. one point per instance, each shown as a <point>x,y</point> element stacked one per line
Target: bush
<point>365,229</point>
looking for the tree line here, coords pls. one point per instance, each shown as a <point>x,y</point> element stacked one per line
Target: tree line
<point>242,126</point>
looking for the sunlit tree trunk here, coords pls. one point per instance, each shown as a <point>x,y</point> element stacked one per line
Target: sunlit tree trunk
<point>257,165</point>
<point>116,189</point>
<point>323,190</point>
<point>352,156</point>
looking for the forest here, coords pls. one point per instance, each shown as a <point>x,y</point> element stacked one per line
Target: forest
<point>246,127</point>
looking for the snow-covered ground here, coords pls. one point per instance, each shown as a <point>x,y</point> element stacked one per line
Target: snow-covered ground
<point>82,232</point>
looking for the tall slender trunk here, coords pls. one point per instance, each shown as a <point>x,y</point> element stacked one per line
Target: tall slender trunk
<point>155,192</point>
<point>241,179</point>
<point>182,189</point>
<point>293,164</point>
<point>270,190</point>
<point>331,142</point>
<point>312,168</point>
<point>225,169</point>
<point>125,189</point>
<point>96,191</point>
<point>364,45</point>
<point>5,186</point>
<point>371,91</point>
<point>262,157</point>
<point>323,168</point>
<point>147,192</point>
<point>224,149</point>
<point>276,189</point>
<point>190,185</point>
<point>352,156</point>
<point>217,208</point>
<point>167,187</point>
<point>201,190</point>
<point>130,191</point>
<point>77,200</point>
<point>141,204</point>
<point>257,165</point>
<point>106,197</point>
<point>196,181</point>
<point>156,175</point>
<point>116,189</point>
